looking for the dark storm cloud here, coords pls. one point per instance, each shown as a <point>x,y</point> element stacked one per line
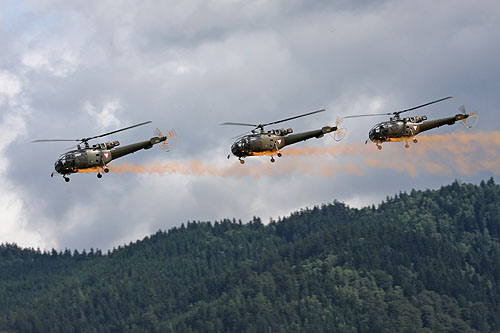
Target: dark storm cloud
<point>85,68</point>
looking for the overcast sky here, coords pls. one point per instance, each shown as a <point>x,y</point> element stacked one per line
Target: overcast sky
<point>80,68</point>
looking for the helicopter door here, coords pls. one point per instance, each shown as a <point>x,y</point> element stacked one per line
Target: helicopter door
<point>396,129</point>
<point>255,144</point>
<point>267,142</point>
<point>81,159</point>
<point>94,158</point>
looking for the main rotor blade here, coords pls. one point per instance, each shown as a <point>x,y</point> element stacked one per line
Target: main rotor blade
<point>49,140</point>
<point>421,106</point>
<point>123,129</point>
<point>261,126</point>
<point>97,136</point>
<point>398,112</point>
<point>367,115</point>
<point>240,124</point>
<point>241,135</point>
<point>287,119</point>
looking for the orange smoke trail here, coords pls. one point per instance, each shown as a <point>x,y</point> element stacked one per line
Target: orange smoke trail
<point>160,168</point>
<point>88,170</point>
<point>443,154</point>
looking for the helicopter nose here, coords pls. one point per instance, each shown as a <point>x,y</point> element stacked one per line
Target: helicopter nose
<point>58,166</point>
<point>372,135</point>
<point>236,150</point>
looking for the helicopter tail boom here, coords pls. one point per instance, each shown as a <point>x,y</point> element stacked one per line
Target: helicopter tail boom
<point>328,129</point>
<point>467,119</point>
<point>294,138</point>
<point>132,148</point>
<point>430,124</point>
<point>463,118</point>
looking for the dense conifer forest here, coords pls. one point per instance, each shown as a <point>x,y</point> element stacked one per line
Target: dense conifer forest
<point>425,261</point>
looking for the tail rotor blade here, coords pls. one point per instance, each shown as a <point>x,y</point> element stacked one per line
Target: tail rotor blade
<point>338,121</point>
<point>471,120</point>
<point>339,134</point>
<point>170,142</point>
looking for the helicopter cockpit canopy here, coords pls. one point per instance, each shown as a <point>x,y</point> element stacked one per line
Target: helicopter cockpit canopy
<point>378,131</point>
<point>65,162</point>
<point>244,145</point>
<point>241,144</point>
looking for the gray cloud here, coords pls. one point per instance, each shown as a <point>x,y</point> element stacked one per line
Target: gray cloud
<point>78,69</point>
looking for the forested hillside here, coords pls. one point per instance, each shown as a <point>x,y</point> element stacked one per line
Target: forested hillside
<point>419,262</point>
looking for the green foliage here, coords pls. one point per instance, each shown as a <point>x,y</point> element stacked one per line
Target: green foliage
<point>427,261</point>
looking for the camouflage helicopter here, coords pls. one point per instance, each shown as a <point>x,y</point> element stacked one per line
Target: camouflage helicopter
<point>262,142</point>
<point>96,157</point>
<point>397,129</point>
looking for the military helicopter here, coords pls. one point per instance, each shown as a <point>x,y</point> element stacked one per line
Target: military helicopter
<point>397,129</point>
<point>96,157</point>
<point>262,142</point>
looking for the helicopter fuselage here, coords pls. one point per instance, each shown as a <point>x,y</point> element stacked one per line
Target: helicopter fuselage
<point>407,128</point>
<point>271,142</point>
<point>98,156</point>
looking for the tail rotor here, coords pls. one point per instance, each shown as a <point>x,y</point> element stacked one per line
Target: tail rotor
<point>170,142</point>
<point>471,120</point>
<point>340,133</point>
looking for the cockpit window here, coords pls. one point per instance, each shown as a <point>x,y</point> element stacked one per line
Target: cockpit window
<point>241,143</point>
<point>66,159</point>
